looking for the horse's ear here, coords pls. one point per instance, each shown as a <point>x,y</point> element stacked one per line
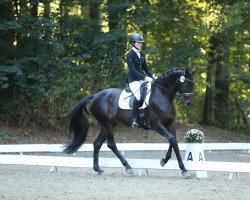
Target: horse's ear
<point>193,72</point>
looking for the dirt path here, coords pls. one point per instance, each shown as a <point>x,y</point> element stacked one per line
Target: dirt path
<point>33,182</point>
<point>28,182</point>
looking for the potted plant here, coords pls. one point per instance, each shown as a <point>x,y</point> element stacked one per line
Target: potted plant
<point>194,151</point>
<point>194,136</point>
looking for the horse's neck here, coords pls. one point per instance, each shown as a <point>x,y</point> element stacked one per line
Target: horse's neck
<point>163,94</point>
<point>163,91</point>
<point>168,83</point>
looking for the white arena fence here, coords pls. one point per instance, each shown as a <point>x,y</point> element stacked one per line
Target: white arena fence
<point>6,158</point>
<point>25,148</point>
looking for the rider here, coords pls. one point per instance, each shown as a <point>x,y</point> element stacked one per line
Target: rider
<point>137,65</point>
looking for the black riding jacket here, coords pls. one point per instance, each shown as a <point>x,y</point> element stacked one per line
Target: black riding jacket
<point>137,66</point>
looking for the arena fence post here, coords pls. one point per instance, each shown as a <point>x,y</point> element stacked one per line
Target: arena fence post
<point>195,152</point>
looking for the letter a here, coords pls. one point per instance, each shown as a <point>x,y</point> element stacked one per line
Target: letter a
<point>190,157</point>
<point>200,156</point>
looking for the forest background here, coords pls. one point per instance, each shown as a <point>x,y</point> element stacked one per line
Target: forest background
<point>54,52</point>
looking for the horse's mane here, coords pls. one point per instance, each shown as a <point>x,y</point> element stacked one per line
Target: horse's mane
<point>163,76</point>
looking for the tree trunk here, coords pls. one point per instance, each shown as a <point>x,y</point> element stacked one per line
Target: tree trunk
<point>6,37</point>
<point>6,47</point>
<point>112,14</point>
<point>208,110</point>
<point>115,14</point>
<point>94,15</point>
<point>217,91</point>
<point>46,13</point>
<point>23,6</point>
<point>221,82</point>
<point>34,10</point>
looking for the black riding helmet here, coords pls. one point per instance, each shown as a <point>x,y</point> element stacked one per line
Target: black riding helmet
<point>136,38</point>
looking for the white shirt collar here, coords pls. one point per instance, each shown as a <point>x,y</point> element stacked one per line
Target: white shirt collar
<point>136,51</point>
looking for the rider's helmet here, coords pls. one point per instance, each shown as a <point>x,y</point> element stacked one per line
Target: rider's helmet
<point>136,38</point>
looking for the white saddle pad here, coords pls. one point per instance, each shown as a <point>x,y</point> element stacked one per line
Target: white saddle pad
<point>125,99</point>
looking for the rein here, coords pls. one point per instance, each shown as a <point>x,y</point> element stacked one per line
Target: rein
<point>166,90</point>
<point>182,95</point>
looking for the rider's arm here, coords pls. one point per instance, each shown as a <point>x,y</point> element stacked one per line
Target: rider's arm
<point>147,70</point>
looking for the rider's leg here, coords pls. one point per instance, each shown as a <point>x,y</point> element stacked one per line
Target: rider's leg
<point>135,111</point>
<point>135,88</point>
<point>143,94</point>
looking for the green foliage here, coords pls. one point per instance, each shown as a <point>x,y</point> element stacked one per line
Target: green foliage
<point>48,63</point>
<point>6,72</point>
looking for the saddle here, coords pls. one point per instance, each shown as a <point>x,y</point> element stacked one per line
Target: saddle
<point>126,101</point>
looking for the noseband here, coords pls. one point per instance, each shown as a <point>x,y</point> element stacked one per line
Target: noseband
<point>183,95</point>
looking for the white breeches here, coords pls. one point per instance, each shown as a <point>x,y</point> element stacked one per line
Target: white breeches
<point>135,88</point>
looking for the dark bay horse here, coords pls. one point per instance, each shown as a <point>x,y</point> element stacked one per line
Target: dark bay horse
<point>160,114</point>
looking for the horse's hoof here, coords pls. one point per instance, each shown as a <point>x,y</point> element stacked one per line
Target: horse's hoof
<point>186,174</point>
<point>100,172</point>
<point>129,171</point>
<point>162,162</point>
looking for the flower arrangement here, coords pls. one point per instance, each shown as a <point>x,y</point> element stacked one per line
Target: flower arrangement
<point>194,136</point>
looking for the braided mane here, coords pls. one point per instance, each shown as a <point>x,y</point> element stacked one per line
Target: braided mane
<point>169,72</point>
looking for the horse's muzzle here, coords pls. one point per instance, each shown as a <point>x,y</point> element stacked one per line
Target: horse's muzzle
<point>188,99</point>
<point>187,104</point>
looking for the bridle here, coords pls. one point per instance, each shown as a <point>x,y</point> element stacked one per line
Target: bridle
<point>185,94</point>
<point>182,95</point>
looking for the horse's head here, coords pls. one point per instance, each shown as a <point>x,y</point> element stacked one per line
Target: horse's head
<point>185,86</point>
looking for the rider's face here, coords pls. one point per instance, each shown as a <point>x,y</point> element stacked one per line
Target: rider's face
<point>138,45</point>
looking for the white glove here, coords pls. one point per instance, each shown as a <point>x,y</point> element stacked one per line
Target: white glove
<point>148,79</point>
<point>154,76</point>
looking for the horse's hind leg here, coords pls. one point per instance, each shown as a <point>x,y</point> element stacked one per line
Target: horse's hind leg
<point>113,147</point>
<point>97,146</point>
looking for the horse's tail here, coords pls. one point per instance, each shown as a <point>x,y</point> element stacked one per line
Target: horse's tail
<point>79,125</point>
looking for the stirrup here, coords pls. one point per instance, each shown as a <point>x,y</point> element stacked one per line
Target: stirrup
<point>135,124</point>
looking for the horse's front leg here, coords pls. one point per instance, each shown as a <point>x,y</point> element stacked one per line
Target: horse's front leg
<point>173,143</point>
<point>172,130</point>
<point>167,157</point>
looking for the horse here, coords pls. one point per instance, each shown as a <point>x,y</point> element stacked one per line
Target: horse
<point>160,114</point>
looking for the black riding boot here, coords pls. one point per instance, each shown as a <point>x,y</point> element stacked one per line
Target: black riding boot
<point>135,114</point>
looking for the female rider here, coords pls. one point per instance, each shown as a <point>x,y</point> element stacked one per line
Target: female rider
<point>137,66</point>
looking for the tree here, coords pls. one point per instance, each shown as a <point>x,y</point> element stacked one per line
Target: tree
<point>53,52</point>
<point>218,101</point>
<point>7,27</point>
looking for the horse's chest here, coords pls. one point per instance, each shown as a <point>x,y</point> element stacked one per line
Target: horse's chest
<point>168,112</point>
